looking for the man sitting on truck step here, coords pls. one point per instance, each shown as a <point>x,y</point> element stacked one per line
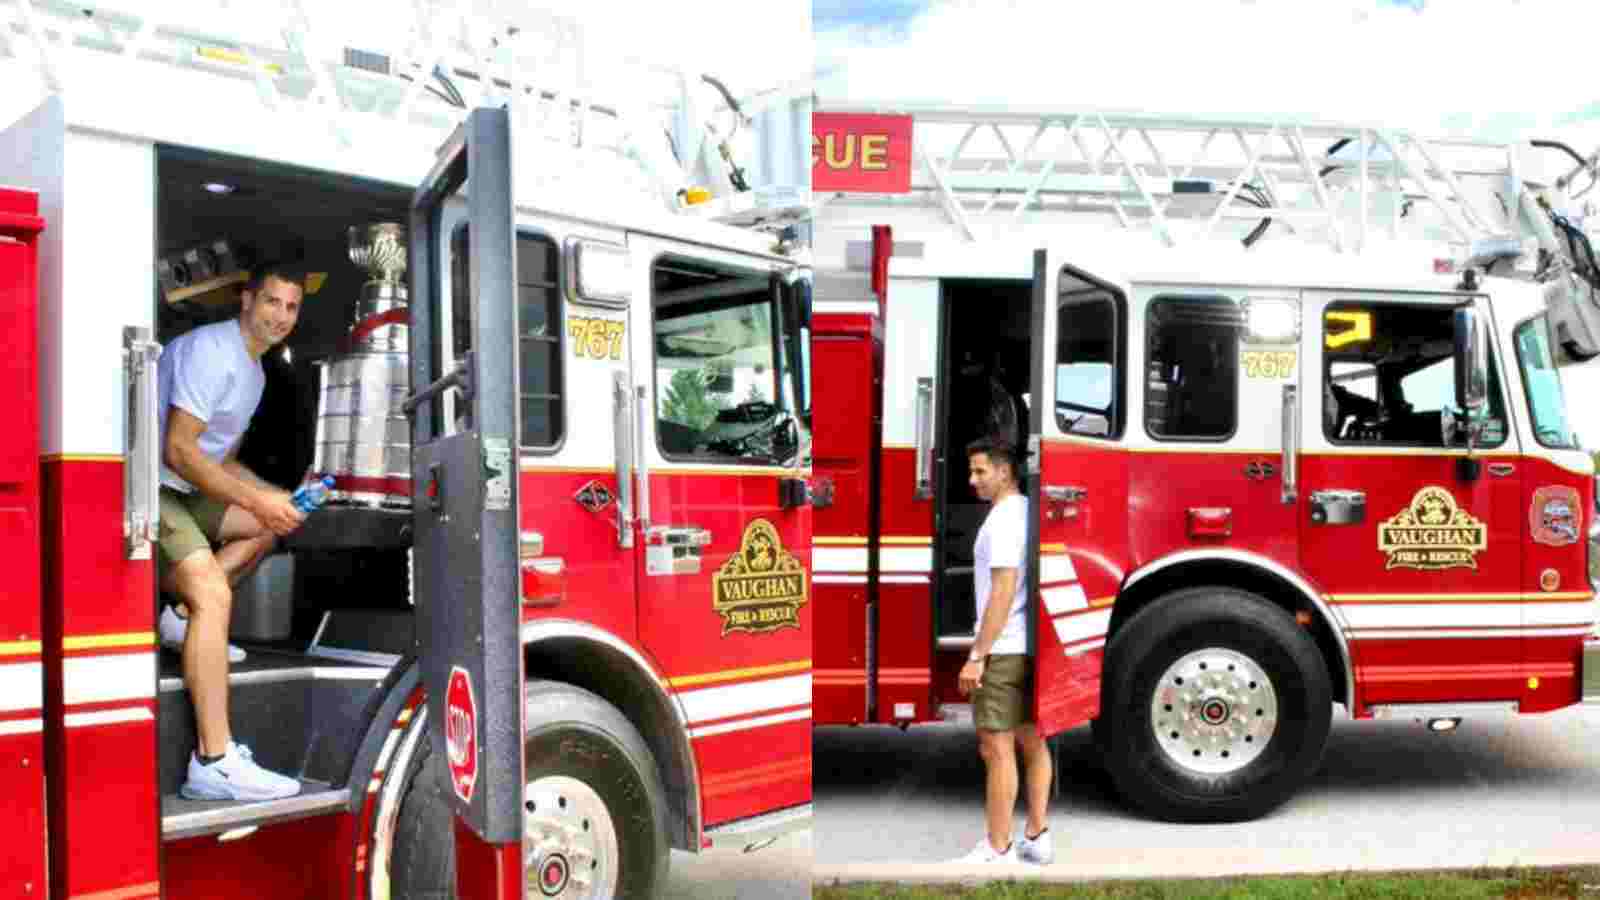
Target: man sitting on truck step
<point>211,381</point>
<point>999,673</point>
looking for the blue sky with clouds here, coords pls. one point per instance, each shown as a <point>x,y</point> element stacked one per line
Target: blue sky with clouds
<point>1487,68</point>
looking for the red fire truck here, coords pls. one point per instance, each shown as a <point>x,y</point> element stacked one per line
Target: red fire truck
<point>555,619</point>
<point>1268,474</point>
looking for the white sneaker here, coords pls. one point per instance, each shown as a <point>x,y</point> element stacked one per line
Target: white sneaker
<point>174,627</point>
<point>1040,850</point>
<point>983,854</point>
<point>235,777</point>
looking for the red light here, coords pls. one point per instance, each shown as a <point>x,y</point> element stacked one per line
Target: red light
<point>1444,267</point>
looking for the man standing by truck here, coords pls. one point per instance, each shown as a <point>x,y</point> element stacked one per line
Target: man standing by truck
<point>999,672</point>
<point>211,383</point>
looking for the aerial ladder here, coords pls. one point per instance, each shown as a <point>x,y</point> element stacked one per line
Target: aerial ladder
<point>1512,209</point>
<point>683,141</point>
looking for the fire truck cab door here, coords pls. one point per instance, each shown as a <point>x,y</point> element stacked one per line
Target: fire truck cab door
<point>1076,485</point>
<point>465,426</point>
<point>724,576</point>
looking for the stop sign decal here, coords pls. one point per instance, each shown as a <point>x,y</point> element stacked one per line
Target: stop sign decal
<point>461,733</point>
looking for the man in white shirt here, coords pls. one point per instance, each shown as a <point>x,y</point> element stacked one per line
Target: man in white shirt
<point>211,382</point>
<point>999,672</point>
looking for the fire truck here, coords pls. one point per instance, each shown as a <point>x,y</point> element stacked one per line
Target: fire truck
<point>555,619</point>
<point>1292,418</point>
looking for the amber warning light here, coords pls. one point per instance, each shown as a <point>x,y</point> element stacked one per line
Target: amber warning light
<point>860,153</point>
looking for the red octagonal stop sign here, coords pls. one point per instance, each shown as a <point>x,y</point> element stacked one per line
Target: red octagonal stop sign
<point>461,733</point>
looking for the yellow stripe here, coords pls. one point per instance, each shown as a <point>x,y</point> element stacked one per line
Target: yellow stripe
<point>912,541</point>
<point>1052,548</point>
<point>102,641</point>
<point>81,457</point>
<point>19,648</point>
<point>1103,601</point>
<point>730,674</point>
<point>840,541</point>
<point>1460,598</point>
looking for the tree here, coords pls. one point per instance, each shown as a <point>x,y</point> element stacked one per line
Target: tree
<point>688,399</point>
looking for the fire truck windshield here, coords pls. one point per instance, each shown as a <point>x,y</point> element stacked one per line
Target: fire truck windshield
<point>1543,384</point>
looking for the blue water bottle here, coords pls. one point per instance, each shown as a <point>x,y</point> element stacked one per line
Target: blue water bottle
<point>312,494</point>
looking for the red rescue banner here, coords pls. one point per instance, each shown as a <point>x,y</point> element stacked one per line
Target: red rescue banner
<point>864,153</point>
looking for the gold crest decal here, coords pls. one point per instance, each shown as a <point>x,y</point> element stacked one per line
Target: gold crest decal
<point>1432,533</point>
<point>761,587</point>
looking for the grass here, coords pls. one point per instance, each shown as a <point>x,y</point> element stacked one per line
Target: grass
<point>1574,883</point>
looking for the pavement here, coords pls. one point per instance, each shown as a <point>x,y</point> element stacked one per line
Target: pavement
<point>781,871</point>
<point>1389,796</point>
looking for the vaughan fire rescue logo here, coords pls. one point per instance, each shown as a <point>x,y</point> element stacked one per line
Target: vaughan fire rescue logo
<point>761,587</point>
<point>1553,515</point>
<point>461,733</point>
<point>1432,533</point>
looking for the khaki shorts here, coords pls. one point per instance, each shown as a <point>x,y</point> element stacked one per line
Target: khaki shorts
<point>189,522</point>
<point>1004,701</point>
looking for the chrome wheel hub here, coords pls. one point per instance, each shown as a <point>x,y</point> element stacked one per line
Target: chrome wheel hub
<point>1214,711</point>
<point>569,842</point>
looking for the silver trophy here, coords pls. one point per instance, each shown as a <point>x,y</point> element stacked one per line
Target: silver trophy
<point>363,436</point>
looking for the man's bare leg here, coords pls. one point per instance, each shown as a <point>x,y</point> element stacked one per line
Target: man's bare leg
<point>998,749</point>
<point>203,587</point>
<point>245,543</point>
<point>1037,771</point>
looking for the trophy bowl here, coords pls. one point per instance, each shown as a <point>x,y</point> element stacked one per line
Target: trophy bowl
<point>380,249</point>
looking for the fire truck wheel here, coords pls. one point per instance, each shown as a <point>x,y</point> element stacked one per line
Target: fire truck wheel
<point>1217,706</point>
<point>594,811</point>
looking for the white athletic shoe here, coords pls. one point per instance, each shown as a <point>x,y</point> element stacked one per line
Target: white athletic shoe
<point>235,777</point>
<point>174,627</point>
<point>983,854</point>
<point>1040,850</point>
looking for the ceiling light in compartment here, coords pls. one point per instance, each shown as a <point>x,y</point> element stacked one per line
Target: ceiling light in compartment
<point>219,187</point>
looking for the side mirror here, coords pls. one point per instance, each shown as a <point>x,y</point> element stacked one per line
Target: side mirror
<point>1471,363</point>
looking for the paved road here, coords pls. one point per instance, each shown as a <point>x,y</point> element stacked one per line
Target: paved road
<point>1389,795</point>
<point>779,872</point>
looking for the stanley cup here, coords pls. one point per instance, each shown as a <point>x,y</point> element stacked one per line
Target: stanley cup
<point>380,323</point>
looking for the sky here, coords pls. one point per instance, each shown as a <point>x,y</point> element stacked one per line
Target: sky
<point>1488,69</point>
<point>1482,67</point>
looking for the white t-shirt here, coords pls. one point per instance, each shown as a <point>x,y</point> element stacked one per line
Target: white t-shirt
<point>209,374</point>
<point>1002,542</point>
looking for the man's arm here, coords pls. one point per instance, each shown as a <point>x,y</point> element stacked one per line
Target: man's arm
<point>1002,590</point>
<point>239,470</point>
<point>182,454</point>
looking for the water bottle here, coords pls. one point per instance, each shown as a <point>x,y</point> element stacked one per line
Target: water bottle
<point>312,494</point>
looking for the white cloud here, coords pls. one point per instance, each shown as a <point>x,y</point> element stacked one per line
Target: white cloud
<point>1474,67</point>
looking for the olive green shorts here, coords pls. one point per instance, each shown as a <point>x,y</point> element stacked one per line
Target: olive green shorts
<point>189,522</point>
<point>1004,700</point>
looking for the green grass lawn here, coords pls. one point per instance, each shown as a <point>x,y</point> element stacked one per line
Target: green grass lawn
<point>1483,884</point>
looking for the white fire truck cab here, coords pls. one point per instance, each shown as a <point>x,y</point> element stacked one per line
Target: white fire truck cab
<point>1265,478</point>
<point>555,619</point>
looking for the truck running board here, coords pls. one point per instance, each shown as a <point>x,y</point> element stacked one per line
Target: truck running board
<point>182,818</point>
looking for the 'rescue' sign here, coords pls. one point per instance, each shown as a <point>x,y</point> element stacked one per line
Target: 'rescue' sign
<point>461,733</point>
<point>1432,532</point>
<point>762,586</point>
<point>864,153</point>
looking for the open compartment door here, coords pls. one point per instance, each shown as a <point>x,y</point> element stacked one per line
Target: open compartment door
<point>463,461</point>
<point>1076,485</point>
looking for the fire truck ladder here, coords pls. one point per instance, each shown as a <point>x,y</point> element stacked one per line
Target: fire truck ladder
<point>682,137</point>
<point>1187,178</point>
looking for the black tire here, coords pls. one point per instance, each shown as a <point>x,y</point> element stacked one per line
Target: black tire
<point>1164,633</point>
<point>569,732</point>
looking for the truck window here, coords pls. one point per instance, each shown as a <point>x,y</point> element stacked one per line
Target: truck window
<point>538,324</point>
<point>1192,368</point>
<point>1542,382</point>
<point>1087,367</point>
<point>1389,377</point>
<point>719,389</point>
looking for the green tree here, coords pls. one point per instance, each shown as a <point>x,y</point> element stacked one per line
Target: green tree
<point>688,399</point>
